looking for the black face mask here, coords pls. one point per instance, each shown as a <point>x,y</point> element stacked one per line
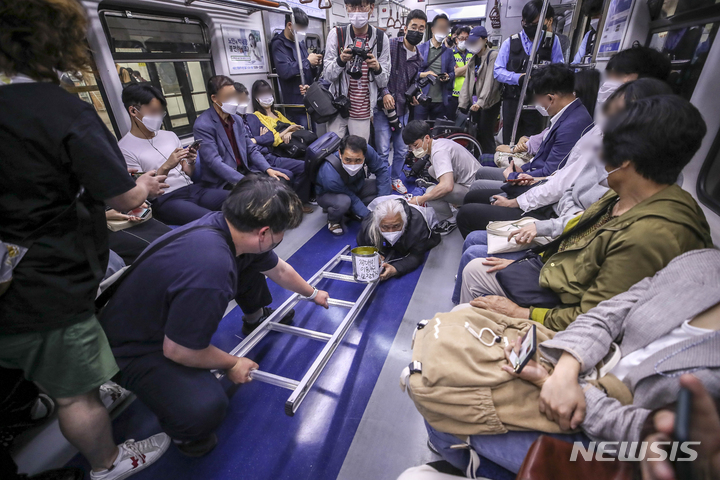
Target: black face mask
<point>414,37</point>
<point>530,30</point>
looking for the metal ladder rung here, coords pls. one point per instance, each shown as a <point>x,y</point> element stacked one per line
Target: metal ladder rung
<point>346,258</point>
<point>339,276</point>
<point>340,303</point>
<point>300,332</point>
<point>273,379</point>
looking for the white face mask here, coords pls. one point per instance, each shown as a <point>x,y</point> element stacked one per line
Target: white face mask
<point>440,36</point>
<point>543,111</point>
<point>420,152</point>
<point>266,101</point>
<point>352,169</point>
<point>476,47</point>
<point>392,237</point>
<point>461,46</point>
<point>604,181</point>
<point>242,109</point>
<point>607,89</point>
<point>358,19</point>
<point>230,107</point>
<point>152,122</point>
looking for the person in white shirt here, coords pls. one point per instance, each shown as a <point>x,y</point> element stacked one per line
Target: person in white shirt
<point>146,148</point>
<point>452,165</point>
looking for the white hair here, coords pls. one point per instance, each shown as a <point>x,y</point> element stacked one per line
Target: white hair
<point>388,208</point>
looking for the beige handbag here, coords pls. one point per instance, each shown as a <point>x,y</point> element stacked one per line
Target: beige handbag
<point>502,159</point>
<point>498,233</point>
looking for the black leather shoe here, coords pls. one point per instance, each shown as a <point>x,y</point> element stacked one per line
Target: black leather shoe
<point>248,327</point>
<point>197,448</point>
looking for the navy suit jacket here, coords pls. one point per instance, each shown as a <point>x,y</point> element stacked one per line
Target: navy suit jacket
<point>219,165</point>
<point>561,138</point>
<point>447,66</point>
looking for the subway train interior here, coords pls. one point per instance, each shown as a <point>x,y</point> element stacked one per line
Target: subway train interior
<point>340,392</point>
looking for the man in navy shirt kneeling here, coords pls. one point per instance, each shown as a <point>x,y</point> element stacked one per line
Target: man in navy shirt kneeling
<point>161,319</point>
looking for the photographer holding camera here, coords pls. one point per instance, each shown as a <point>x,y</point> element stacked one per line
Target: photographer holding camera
<point>438,70</point>
<point>357,64</point>
<point>392,111</point>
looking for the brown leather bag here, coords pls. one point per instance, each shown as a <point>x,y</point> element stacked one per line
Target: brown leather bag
<point>549,459</point>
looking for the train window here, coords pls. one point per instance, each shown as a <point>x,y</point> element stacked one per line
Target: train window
<point>709,179</point>
<point>170,53</point>
<point>688,49</point>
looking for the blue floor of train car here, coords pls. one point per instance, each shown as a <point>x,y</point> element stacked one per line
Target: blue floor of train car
<point>257,439</point>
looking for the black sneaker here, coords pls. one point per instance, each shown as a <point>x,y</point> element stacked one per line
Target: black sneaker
<point>445,227</point>
<point>197,448</point>
<point>248,327</point>
<point>421,182</point>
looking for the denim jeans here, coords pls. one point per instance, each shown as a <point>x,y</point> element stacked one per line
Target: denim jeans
<point>507,450</point>
<point>475,246</point>
<point>384,136</point>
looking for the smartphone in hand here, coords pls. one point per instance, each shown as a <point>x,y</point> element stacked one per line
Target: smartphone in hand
<point>528,346</point>
<point>681,432</point>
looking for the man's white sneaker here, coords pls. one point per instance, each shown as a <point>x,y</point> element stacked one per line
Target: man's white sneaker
<point>134,457</point>
<point>112,395</point>
<point>398,186</point>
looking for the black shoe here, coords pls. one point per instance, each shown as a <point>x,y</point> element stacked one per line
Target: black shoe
<point>445,227</point>
<point>197,448</point>
<point>423,183</point>
<point>352,216</point>
<point>70,473</point>
<point>248,327</point>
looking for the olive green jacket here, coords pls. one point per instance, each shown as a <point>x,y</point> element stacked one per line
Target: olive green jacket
<point>628,248</point>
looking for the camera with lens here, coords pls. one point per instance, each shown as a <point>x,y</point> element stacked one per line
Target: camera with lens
<point>393,119</point>
<point>360,54</point>
<point>415,90</point>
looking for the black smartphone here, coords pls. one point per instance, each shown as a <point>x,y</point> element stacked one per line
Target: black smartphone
<point>195,145</point>
<point>137,175</point>
<point>528,346</point>
<point>681,431</point>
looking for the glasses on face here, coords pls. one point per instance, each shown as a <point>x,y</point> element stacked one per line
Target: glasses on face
<point>357,8</point>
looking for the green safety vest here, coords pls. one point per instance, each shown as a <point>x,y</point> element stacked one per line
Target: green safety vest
<point>461,60</point>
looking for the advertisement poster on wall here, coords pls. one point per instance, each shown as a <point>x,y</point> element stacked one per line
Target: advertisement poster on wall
<point>615,27</point>
<point>244,49</point>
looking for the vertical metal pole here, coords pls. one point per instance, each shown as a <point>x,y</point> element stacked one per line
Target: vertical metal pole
<point>533,51</point>
<point>297,43</point>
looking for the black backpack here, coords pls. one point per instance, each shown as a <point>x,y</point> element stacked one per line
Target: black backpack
<point>319,103</point>
<point>318,151</point>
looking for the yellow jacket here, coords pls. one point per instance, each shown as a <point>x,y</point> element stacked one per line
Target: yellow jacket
<point>271,124</point>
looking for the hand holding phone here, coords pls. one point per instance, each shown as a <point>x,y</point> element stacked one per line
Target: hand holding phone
<point>528,346</point>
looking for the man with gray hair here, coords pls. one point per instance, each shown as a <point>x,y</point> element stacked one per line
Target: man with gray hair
<point>402,233</point>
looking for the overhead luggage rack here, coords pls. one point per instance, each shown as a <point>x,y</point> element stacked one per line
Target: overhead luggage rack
<point>271,324</point>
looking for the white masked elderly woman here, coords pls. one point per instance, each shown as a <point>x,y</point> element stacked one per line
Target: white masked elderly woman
<point>400,231</point>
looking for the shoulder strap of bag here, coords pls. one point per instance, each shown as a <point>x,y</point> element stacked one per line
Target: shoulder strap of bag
<point>442,50</point>
<point>337,165</point>
<point>105,296</point>
<point>340,31</point>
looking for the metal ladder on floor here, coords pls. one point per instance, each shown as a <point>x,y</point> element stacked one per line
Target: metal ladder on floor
<point>301,388</point>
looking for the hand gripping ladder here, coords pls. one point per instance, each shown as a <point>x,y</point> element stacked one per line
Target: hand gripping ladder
<point>301,388</point>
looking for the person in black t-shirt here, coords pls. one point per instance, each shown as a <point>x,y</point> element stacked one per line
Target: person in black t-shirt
<point>162,317</point>
<point>60,165</point>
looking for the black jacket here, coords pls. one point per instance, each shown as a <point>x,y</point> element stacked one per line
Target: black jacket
<point>408,253</point>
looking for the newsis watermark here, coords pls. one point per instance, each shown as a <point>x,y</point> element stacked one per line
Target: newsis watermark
<point>635,451</point>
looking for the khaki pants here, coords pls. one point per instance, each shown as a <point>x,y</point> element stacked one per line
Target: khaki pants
<point>476,282</point>
<point>355,126</point>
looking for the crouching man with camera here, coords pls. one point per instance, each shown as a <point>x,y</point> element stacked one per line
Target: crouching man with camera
<point>391,112</point>
<point>357,64</point>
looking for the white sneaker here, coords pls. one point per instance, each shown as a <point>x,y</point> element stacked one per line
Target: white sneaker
<point>398,186</point>
<point>112,395</point>
<point>134,457</point>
